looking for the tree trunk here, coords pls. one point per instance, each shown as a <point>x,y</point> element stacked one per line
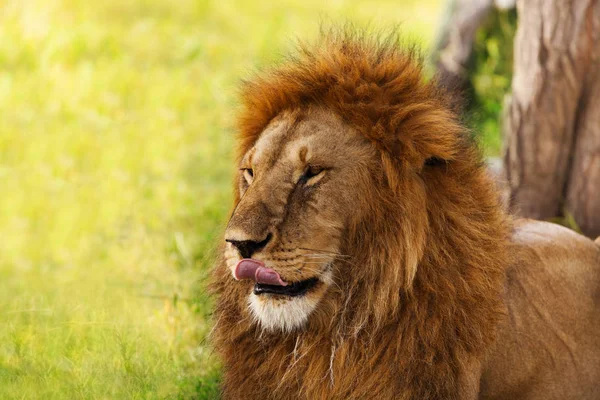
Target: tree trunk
<point>552,124</point>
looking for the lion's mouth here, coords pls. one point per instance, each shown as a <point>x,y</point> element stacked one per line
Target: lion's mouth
<point>299,288</point>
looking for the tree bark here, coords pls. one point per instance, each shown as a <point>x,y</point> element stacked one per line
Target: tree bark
<point>552,124</point>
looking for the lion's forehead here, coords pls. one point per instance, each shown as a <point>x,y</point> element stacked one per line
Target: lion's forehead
<point>270,143</point>
<point>317,136</point>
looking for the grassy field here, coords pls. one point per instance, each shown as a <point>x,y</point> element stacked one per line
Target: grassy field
<point>115,161</point>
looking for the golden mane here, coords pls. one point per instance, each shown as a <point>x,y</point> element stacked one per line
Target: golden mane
<point>436,260</point>
<point>368,80</point>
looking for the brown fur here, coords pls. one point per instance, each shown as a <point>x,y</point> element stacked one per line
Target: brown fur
<point>428,248</point>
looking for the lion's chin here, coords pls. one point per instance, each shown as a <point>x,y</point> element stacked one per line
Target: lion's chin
<point>281,314</point>
<point>286,310</point>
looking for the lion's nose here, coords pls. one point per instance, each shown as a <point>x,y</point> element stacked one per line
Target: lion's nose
<point>249,247</point>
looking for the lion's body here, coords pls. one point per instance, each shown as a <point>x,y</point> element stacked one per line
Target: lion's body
<point>423,292</point>
<point>549,345</point>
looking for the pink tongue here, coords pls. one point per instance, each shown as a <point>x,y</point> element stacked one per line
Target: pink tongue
<point>248,268</point>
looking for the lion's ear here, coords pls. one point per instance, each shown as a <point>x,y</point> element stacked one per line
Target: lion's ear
<point>434,162</point>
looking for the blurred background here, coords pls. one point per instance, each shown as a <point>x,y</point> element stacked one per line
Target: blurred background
<point>116,138</point>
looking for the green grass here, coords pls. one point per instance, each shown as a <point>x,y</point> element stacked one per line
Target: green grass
<point>116,136</point>
<point>490,76</point>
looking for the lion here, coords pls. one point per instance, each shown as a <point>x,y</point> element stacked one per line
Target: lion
<point>368,256</point>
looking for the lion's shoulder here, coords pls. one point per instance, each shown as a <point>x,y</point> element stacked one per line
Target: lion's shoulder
<point>552,242</point>
<point>556,253</point>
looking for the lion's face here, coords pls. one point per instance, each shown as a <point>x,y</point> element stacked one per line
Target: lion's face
<point>298,187</point>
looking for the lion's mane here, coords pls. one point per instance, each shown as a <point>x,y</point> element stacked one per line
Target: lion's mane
<point>427,264</point>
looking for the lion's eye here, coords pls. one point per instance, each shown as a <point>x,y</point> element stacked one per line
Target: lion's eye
<point>248,175</point>
<point>312,174</point>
